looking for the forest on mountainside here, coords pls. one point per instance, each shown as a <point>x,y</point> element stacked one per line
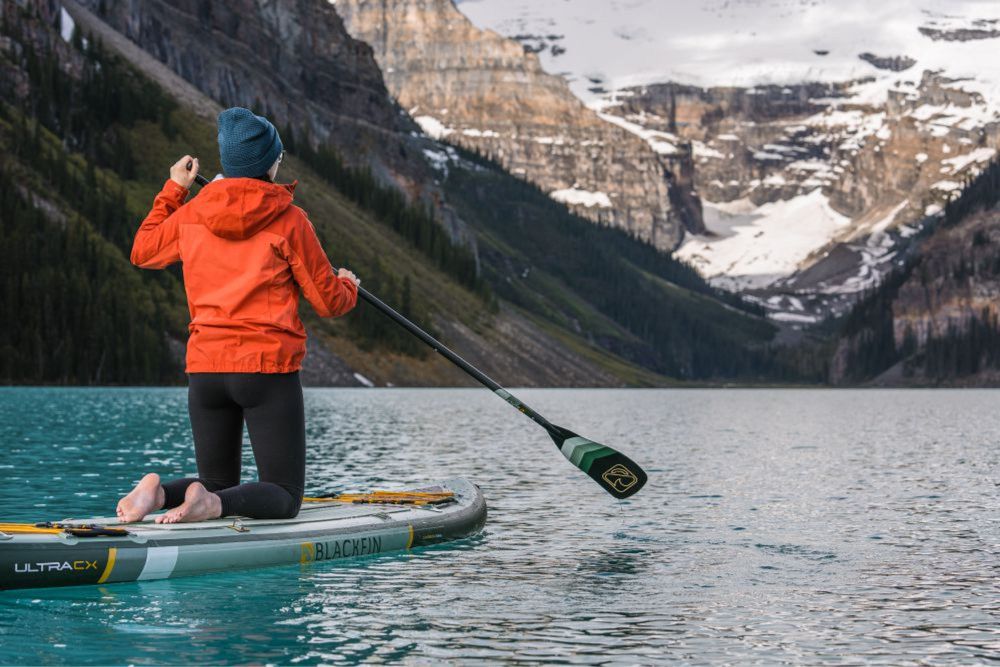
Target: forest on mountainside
<point>75,310</point>
<point>679,325</point>
<point>948,261</point>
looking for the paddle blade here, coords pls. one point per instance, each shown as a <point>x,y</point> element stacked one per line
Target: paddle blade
<point>616,473</point>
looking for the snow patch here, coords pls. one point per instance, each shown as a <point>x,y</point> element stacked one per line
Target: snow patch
<point>809,165</point>
<point>702,150</point>
<point>472,132</point>
<point>794,317</point>
<point>574,196</point>
<point>438,159</point>
<point>660,142</point>
<point>66,25</point>
<point>947,186</point>
<point>432,127</point>
<point>960,162</point>
<point>755,246</point>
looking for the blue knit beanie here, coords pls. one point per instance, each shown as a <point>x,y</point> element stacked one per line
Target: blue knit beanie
<point>248,144</point>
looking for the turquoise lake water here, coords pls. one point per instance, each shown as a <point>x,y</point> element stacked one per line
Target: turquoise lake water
<point>784,526</point>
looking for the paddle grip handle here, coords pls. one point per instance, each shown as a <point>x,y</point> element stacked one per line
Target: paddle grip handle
<point>198,178</point>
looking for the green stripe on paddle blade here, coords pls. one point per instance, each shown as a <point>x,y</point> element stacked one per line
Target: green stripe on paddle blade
<point>615,472</point>
<point>588,459</point>
<point>576,448</point>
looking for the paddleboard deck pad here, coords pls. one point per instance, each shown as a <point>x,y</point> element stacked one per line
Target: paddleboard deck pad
<point>323,531</point>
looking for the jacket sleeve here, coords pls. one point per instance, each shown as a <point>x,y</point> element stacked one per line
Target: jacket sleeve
<point>156,243</point>
<point>329,295</point>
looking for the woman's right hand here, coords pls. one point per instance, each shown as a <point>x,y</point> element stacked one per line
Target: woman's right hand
<point>347,273</point>
<point>181,175</point>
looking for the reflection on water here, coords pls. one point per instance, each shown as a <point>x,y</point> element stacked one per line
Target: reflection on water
<point>777,526</point>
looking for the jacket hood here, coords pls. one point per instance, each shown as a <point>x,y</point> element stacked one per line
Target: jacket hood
<point>238,208</point>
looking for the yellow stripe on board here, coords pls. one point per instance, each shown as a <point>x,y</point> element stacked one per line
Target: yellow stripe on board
<point>388,498</point>
<point>409,542</point>
<point>28,528</point>
<point>112,554</point>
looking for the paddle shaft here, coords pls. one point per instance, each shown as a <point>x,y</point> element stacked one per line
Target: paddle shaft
<point>443,350</point>
<point>448,354</point>
<point>616,473</point>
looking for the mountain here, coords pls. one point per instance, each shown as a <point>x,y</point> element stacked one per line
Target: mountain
<point>825,134</point>
<point>483,92</point>
<point>520,285</point>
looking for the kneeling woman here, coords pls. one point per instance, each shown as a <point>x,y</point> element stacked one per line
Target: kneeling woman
<point>247,252</point>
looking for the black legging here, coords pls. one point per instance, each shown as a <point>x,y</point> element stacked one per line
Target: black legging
<point>271,404</point>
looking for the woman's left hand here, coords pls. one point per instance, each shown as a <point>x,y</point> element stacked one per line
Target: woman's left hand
<point>347,273</point>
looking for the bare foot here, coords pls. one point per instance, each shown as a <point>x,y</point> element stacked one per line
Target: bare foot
<point>146,497</point>
<point>199,504</point>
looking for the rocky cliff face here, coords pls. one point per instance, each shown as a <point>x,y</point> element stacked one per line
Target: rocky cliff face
<point>815,190</point>
<point>477,89</point>
<point>956,283</point>
<point>740,136</point>
<point>293,61</point>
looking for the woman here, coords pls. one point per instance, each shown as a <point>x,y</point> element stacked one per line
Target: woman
<point>247,253</point>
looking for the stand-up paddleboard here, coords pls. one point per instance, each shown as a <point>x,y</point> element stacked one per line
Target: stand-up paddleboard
<point>101,551</point>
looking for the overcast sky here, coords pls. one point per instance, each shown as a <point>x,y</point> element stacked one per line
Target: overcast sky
<point>712,42</point>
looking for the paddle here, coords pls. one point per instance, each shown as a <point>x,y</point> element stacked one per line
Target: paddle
<point>616,473</point>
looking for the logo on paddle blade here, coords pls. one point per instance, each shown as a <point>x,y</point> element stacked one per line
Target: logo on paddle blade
<point>619,478</point>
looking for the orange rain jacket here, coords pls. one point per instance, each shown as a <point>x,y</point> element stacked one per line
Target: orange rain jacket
<point>247,252</point>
